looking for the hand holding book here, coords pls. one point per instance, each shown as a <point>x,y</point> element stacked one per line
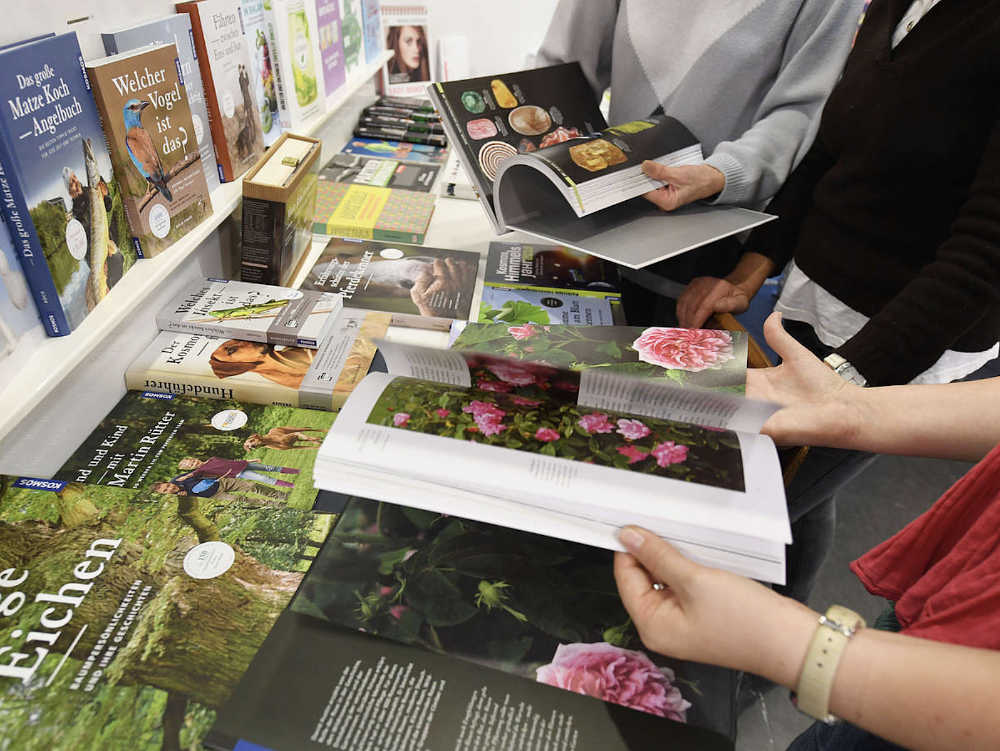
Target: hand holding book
<point>683,184</point>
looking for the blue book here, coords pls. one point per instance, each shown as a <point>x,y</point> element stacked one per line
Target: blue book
<point>176,29</point>
<point>58,192</point>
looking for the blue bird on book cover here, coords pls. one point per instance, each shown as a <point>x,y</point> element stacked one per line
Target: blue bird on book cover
<point>141,148</point>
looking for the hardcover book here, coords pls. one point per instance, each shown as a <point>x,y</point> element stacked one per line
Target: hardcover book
<point>554,268</point>
<point>352,32</point>
<point>128,620</point>
<point>265,91</point>
<point>417,153</point>
<point>546,163</point>
<point>372,30</point>
<point>382,173</point>
<point>234,116</point>
<point>61,200</point>
<point>253,312</point>
<point>181,446</point>
<point>520,305</point>
<point>373,213</point>
<point>423,287</point>
<point>191,364</point>
<point>143,105</point>
<point>331,46</point>
<point>176,29</point>
<point>405,28</point>
<point>292,32</point>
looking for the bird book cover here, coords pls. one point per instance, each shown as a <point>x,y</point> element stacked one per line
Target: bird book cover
<point>58,190</point>
<point>142,98</point>
<point>234,118</point>
<point>176,29</point>
<point>181,446</point>
<point>127,623</point>
<point>292,32</point>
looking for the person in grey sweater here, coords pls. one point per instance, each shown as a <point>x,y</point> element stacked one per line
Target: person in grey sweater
<point>747,77</point>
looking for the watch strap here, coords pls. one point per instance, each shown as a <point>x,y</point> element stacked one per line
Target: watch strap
<point>815,684</point>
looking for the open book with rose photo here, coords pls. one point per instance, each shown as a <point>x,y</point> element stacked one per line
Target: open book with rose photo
<point>633,426</point>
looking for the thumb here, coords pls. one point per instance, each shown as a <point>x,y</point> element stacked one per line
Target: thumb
<point>662,560</point>
<point>659,171</point>
<point>780,340</point>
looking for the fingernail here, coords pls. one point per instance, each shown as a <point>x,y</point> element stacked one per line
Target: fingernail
<point>631,539</point>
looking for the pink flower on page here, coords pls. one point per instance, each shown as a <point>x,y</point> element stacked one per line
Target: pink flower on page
<point>684,349</point>
<point>522,332</point>
<point>385,590</point>
<point>634,454</point>
<point>400,419</point>
<point>497,386</point>
<point>396,611</point>
<point>511,374</point>
<point>477,408</point>
<point>490,426</point>
<point>442,412</point>
<point>596,422</point>
<point>523,402</point>
<point>633,430</point>
<point>668,453</point>
<point>622,676</point>
<point>547,435</point>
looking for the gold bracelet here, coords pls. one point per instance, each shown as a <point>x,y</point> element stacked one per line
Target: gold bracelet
<point>835,629</point>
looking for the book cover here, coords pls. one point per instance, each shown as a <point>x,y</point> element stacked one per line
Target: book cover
<point>521,305</point>
<point>352,32</point>
<point>18,314</point>
<point>372,30</point>
<point>204,366</point>
<point>129,620</point>
<point>234,117</point>
<point>61,200</point>
<point>253,312</point>
<point>265,92</point>
<point>381,173</point>
<point>143,104</point>
<point>422,286</point>
<point>292,32</point>
<point>549,267</point>
<point>418,153</point>
<point>368,212</point>
<point>176,29</point>
<point>157,443</point>
<point>331,46</point>
<point>315,686</point>
<point>406,30</point>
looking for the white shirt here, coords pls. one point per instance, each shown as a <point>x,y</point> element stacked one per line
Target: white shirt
<point>833,320</point>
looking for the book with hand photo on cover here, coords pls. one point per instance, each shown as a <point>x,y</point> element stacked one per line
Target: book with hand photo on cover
<point>546,163</point>
<point>574,450</point>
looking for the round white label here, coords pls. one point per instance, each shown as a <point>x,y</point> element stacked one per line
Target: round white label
<point>76,239</point>
<point>391,254</point>
<point>199,128</point>
<point>159,220</point>
<point>209,560</point>
<point>229,419</point>
<point>228,104</point>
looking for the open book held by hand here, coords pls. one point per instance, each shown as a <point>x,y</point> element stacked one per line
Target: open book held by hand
<point>545,162</point>
<point>572,432</point>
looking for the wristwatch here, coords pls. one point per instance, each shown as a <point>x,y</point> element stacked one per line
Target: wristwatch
<point>844,369</point>
<point>835,629</point>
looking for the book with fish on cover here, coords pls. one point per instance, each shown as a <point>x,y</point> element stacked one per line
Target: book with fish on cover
<point>150,134</point>
<point>59,194</point>
<point>176,29</point>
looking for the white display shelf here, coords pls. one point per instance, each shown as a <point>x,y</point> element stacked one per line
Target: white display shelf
<point>42,366</point>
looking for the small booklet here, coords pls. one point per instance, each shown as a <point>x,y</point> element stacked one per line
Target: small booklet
<point>546,163</point>
<point>576,450</point>
<point>253,312</point>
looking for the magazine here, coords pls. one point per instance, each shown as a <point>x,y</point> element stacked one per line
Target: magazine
<point>517,305</point>
<point>382,173</point>
<point>574,453</point>
<point>127,624</point>
<point>545,162</point>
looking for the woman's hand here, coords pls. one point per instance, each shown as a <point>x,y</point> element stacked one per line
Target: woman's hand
<point>821,408</point>
<point>706,294</point>
<point>707,615</point>
<point>684,184</point>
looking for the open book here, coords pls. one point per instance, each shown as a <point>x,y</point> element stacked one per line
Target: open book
<point>545,162</point>
<point>568,453</point>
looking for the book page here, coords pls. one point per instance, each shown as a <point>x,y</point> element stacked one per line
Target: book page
<point>439,365</point>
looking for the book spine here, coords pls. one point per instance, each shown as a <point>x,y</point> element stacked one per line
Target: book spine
<point>211,101</point>
<point>397,236</point>
<point>28,247</point>
<point>279,54</point>
<point>212,329</point>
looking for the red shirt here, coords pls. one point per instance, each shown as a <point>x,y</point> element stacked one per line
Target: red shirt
<point>216,467</point>
<point>943,569</point>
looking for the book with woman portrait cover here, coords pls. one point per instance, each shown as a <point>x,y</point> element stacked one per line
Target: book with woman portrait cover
<point>114,610</point>
<point>259,373</point>
<point>142,99</point>
<point>567,431</point>
<point>406,31</point>
<point>545,162</point>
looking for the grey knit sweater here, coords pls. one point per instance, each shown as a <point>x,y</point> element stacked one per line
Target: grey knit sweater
<point>748,77</point>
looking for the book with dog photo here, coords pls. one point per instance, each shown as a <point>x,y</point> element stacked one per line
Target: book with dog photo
<point>422,287</point>
<point>261,373</point>
<point>151,137</point>
<point>167,445</point>
<point>234,116</point>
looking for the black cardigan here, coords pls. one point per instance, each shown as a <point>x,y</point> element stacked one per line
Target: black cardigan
<point>895,210</point>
